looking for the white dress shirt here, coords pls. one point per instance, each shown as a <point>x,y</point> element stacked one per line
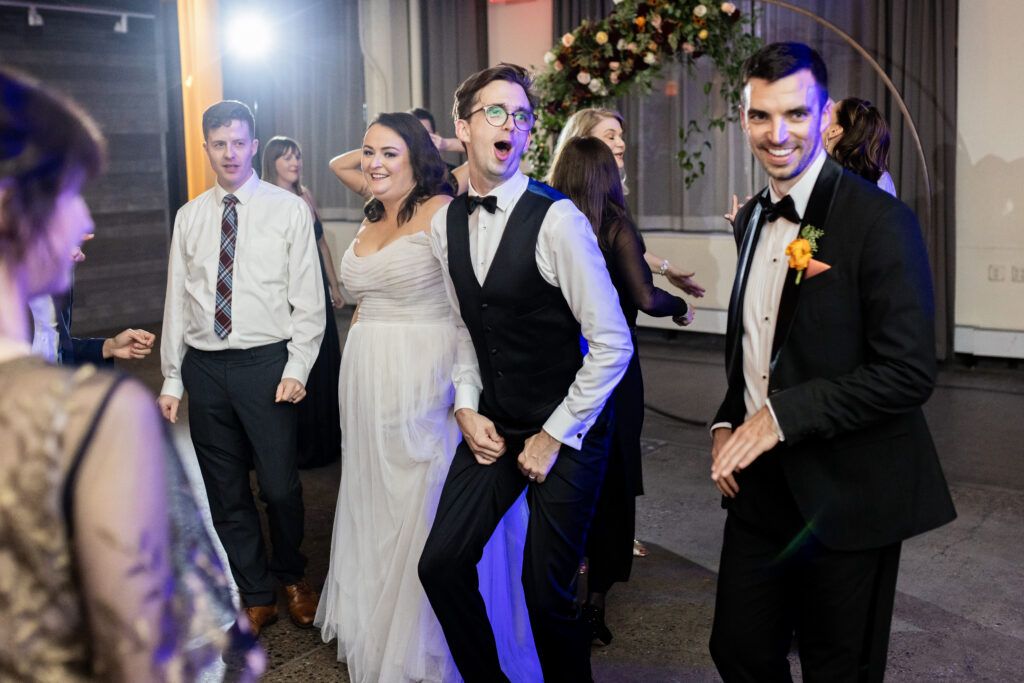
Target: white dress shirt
<point>569,258</point>
<point>768,269</point>
<point>277,291</point>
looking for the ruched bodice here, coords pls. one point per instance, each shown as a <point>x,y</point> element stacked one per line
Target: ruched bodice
<point>401,283</point>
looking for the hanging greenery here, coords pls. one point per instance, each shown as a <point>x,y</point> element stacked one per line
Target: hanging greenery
<point>600,61</point>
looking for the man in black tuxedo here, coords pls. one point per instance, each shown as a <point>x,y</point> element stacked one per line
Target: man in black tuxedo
<point>820,447</point>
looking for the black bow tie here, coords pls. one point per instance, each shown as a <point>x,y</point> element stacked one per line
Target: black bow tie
<point>785,208</point>
<point>490,203</point>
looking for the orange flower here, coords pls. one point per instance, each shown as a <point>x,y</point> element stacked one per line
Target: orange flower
<point>799,253</point>
<point>640,22</point>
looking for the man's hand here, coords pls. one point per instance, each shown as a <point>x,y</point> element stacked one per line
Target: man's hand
<point>727,485</point>
<point>337,298</point>
<point>168,407</point>
<point>290,390</point>
<point>539,455</point>
<point>481,436</point>
<point>129,345</point>
<point>752,438</point>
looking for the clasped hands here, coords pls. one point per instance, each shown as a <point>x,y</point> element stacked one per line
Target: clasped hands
<point>734,450</point>
<point>539,454</point>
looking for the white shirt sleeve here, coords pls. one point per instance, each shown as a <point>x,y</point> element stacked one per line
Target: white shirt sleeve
<point>569,258</point>
<point>466,370</point>
<point>305,296</point>
<point>172,337</point>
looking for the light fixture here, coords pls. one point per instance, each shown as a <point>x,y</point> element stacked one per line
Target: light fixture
<point>249,36</point>
<point>34,18</point>
<point>121,26</point>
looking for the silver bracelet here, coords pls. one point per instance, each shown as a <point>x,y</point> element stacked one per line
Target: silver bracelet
<point>664,267</point>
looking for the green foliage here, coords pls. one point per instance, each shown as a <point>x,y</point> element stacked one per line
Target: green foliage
<point>603,60</point>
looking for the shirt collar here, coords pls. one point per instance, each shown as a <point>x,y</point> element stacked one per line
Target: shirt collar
<point>508,192</point>
<point>242,194</point>
<point>801,192</point>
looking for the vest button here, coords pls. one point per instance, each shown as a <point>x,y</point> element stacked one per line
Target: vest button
<point>494,352</point>
<point>483,305</point>
<point>487,329</point>
<point>499,374</point>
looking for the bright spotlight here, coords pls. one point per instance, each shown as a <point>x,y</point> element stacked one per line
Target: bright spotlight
<point>249,36</point>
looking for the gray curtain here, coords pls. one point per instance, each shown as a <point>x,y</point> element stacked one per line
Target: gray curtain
<point>454,39</point>
<point>309,87</point>
<point>915,43</point>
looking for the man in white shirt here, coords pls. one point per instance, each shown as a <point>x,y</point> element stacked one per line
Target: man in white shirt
<point>243,320</point>
<point>524,272</point>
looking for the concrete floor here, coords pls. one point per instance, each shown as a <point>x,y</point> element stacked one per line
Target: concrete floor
<point>959,612</point>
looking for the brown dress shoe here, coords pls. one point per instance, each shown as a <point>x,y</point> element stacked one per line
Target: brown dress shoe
<point>302,602</point>
<point>260,616</point>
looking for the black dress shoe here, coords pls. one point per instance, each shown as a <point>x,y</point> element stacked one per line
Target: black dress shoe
<point>594,616</point>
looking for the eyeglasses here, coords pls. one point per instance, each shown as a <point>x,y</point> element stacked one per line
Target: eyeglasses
<point>497,115</point>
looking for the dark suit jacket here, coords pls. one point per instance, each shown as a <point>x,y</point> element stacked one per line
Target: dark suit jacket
<point>75,351</point>
<point>853,361</point>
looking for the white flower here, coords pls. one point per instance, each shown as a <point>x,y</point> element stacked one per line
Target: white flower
<point>596,86</point>
<point>617,2</point>
<point>549,57</point>
<point>651,58</point>
<point>728,7</point>
<point>700,11</point>
<point>583,77</point>
<point>568,39</point>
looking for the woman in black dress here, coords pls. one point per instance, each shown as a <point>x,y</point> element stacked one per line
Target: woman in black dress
<point>587,173</point>
<point>319,421</point>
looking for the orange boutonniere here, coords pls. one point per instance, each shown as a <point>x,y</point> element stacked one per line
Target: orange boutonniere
<point>802,249</point>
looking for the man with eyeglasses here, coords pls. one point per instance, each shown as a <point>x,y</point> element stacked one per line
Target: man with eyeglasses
<point>524,272</point>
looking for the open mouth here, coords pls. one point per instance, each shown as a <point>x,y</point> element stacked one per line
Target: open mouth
<point>503,148</point>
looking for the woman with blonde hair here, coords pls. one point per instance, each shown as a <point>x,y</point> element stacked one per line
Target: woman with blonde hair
<point>606,125</point>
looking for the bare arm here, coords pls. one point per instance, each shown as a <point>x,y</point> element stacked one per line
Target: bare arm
<point>337,298</point>
<point>348,168</point>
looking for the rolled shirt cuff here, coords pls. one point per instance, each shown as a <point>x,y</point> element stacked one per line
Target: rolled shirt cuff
<point>467,396</point>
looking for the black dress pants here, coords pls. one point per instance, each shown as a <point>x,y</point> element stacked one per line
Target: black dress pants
<point>776,580</point>
<point>473,501</point>
<point>236,426</point>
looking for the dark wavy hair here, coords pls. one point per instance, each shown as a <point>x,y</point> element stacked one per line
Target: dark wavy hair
<point>863,148</point>
<point>586,173</point>
<point>465,94</point>
<point>277,147</point>
<point>428,171</point>
<point>224,112</point>
<point>778,60</point>
<point>47,144</point>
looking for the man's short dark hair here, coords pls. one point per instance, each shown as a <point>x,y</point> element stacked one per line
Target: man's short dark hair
<point>223,113</point>
<point>424,115</point>
<point>465,94</point>
<point>779,60</point>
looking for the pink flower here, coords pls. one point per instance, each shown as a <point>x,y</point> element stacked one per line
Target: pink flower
<point>583,77</point>
<point>558,65</point>
<point>614,77</point>
<point>614,66</point>
<point>632,47</point>
<point>728,8</point>
<point>568,39</point>
<point>656,21</point>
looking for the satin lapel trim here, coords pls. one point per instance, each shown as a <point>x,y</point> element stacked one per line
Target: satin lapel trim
<point>739,286</point>
<point>819,207</point>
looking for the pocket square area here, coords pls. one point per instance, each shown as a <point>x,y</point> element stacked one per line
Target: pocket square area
<point>816,267</point>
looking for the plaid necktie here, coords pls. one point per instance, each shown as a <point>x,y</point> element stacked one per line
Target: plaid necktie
<point>228,232</point>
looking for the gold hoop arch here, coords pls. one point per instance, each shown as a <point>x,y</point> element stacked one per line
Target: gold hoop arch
<point>888,84</point>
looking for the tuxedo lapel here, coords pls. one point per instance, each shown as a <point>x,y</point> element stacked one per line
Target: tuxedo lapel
<point>739,285</point>
<point>819,207</point>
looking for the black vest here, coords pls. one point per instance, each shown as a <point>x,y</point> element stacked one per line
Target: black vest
<point>526,338</point>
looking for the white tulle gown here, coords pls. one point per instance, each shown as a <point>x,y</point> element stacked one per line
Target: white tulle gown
<point>398,438</point>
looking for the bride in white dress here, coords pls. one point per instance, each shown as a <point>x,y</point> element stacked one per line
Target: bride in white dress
<point>398,434</point>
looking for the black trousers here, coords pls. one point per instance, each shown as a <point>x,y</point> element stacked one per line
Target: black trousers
<point>236,426</point>
<point>473,500</point>
<point>772,584</point>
